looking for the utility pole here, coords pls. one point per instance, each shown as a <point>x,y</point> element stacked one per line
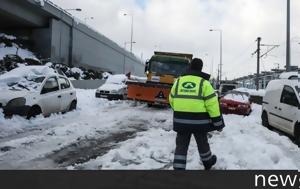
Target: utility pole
<point>259,56</point>
<point>258,63</point>
<point>288,37</point>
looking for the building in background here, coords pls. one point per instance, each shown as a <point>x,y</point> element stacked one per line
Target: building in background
<point>264,79</point>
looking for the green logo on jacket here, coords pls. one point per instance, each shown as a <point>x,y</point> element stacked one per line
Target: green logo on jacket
<point>189,85</point>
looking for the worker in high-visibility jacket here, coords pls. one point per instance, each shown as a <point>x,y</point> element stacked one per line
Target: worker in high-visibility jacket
<point>196,111</point>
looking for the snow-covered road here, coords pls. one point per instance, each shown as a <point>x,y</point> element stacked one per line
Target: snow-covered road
<point>121,135</point>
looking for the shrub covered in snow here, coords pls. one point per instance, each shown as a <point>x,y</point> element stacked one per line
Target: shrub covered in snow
<point>14,51</point>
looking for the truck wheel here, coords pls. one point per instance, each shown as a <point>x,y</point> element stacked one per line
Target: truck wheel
<point>73,106</point>
<point>33,112</point>
<point>265,121</point>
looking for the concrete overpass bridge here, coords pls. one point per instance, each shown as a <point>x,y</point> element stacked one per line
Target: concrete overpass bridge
<point>55,34</point>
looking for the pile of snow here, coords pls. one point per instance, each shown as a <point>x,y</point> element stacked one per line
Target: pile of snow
<point>78,71</point>
<point>252,92</point>
<point>13,48</point>
<point>16,50</point>
<point>238,97</point>
<point>25,77</point>
<point>9,37</point>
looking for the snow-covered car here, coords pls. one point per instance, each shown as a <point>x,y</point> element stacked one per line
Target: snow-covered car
<point>33,90</point>
<point>114,88</point>
<point>281,106</point>
<point>235,102</point>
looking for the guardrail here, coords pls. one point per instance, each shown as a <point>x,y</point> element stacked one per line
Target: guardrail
<point>87,84</point>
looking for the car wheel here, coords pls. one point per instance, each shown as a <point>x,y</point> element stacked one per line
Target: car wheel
<point>265,120</point>
<point>73,106</point>
<point>33,112</point>
<point>297,134</point>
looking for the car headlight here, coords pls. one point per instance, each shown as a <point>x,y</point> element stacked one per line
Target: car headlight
<point>16,102</point>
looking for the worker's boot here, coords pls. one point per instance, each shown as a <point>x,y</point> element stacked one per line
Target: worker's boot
<point>208,164</point>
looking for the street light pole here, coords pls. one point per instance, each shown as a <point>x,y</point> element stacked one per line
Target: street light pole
<point>288,37</point>
<point>221,51</point>
<point>131,35</point>
<point>221,55</point>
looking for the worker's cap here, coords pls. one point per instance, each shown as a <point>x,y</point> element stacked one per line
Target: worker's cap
<point>196,64</point>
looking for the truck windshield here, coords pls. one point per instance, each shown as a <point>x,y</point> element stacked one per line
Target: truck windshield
<point>168,68</point>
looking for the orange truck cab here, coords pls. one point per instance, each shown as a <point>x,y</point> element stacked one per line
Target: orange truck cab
<point>161,70</point>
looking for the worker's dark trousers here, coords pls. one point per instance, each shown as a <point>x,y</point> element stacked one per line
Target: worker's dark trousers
<point>182,145</point>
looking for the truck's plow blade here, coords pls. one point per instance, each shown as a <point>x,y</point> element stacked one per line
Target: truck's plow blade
<point>152,93</point>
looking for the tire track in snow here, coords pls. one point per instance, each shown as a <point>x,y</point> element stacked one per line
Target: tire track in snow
<point>87,149</point>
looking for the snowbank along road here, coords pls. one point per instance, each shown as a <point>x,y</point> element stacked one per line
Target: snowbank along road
<point>103,134</point>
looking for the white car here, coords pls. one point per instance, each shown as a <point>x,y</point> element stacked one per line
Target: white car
<point>114,88</point>
<point>281,106</point>
<point>33,90</point>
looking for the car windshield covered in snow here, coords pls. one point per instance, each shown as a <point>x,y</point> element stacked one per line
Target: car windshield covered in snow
<point>25,78</point>
<point>116,79</point>
<point>237,96</point>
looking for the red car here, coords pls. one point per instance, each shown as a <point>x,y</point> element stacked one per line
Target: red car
<point>235,102</point>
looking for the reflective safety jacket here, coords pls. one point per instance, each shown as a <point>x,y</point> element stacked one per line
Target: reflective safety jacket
<point>195,104</point>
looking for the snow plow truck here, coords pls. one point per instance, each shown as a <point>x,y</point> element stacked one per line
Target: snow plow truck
<point>161,71</point>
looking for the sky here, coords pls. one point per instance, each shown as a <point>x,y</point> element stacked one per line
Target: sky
<point>183,26</point>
